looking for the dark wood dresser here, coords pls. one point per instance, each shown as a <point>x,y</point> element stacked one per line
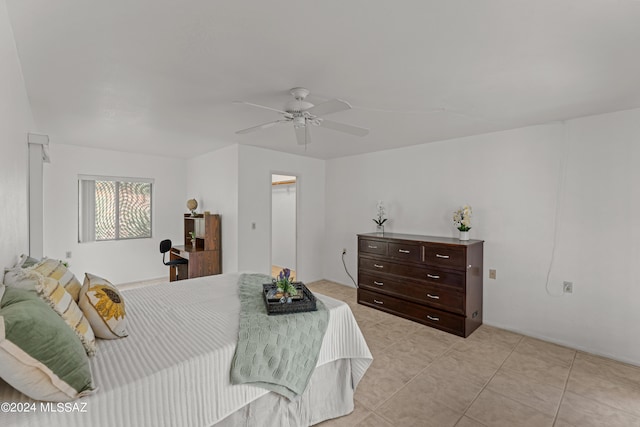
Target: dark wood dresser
<point>432,280</point>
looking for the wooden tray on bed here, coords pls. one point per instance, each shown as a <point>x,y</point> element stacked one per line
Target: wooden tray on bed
<point>306,303</point>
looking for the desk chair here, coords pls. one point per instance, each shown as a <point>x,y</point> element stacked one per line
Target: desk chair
<point>165,246</point>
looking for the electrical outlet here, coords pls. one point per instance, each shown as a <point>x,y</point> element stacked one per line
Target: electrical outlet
<point>492,274</point>
<point>344,251</point>
<point>567,287</point>
<point>68,254</point>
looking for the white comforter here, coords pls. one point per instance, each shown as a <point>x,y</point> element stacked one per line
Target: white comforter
<point>173,369</point>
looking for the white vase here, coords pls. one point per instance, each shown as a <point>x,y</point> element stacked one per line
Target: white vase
<point>380,229</point>
<point>464,235</point>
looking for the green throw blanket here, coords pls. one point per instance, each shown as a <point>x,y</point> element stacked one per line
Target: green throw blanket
<point>279,352</point>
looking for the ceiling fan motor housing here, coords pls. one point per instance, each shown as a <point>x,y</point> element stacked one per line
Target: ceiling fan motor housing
<point>299,121</point>
<point>298,104</point>
<point>299,93</point>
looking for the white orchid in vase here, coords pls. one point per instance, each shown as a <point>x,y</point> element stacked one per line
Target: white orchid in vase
<point>380,218</point>
<point>462,218</point>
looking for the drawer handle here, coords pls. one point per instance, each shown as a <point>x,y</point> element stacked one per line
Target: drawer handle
<point>378,302</point>
<point>431,276</point>
<point>403,251</point>
<point>433,296</point>
<point>378,266</point>
<point>373,247</point>
<point>435,319</point>
<point>378,283</point>
<point>442,256</point>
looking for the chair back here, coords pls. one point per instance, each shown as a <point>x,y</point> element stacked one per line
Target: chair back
<point>165,246</point>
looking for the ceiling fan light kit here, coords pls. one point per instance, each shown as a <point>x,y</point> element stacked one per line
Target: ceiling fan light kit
<point>303,113</point>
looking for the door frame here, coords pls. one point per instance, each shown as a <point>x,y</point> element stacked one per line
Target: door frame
<point>297,229</point>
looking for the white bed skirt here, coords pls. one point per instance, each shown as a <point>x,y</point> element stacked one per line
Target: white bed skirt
<point>329,395</point>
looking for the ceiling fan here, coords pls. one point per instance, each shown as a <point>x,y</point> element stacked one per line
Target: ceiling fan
<point>304,114</point>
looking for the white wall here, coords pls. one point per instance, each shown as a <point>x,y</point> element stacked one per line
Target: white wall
<point>254,206</point>
<point>15,121</point>
<point>511,179</point>
<point>118,261</point>
<point>212,179</point>
<point>283,230</point>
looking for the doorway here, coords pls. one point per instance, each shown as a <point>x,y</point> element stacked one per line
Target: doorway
<point>284,222</point>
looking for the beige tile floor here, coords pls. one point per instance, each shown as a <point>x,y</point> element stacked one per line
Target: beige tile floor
<point>423,377</point>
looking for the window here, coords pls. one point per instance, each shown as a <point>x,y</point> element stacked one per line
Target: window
<point>114,208</point>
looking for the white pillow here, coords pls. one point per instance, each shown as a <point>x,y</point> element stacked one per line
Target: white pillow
<point>18,277</point>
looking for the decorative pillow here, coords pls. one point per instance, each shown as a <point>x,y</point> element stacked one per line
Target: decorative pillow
<point>18,277</point>
<point>61,301</point>
<point>103,305</point>
<point>25,261</point>
<point>14,276</point>
<point>57,270</point>
<point>39,355</point>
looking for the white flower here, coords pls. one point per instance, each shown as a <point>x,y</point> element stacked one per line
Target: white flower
<point>462,218</point>
<point>380,213</point>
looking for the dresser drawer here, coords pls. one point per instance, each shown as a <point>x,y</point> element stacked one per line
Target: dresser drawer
<point>374,264</point>
<point>381,301</point>
<point>440,297</point>
<point>429,274</point>
<point>373,281</point>
<point>445,256</point>
<point>420,313</point>
<point>436,296</point>
<point>376,247</point>
<point>405,251</point>
<point>438,319</point>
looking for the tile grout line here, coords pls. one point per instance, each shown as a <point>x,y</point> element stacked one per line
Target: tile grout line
<point>407,383</point>
<point>444,353</point>
<point>564,389</point>
<point>591,398</point>
<point>489,380</point>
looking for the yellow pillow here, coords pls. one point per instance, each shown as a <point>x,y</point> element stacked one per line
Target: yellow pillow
<point>57,270</point>
<point>61,301</point>
<point>103,305</point>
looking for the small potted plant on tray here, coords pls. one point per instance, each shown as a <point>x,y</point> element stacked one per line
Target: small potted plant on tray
<point>285,288</point>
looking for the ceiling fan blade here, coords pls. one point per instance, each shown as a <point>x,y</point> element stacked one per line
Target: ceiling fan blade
<point>262,126</point>
<point>329,107</point>
<point>353,130</point>
<point>264,107</point>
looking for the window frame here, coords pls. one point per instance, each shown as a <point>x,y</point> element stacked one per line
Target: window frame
<point>117,179</point>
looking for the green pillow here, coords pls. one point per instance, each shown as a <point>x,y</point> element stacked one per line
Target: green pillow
<point>39,354</point>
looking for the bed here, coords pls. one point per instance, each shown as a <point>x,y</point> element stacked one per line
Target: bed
<point>173,368</point>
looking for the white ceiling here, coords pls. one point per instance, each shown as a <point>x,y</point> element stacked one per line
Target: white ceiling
<point>159,76</point>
